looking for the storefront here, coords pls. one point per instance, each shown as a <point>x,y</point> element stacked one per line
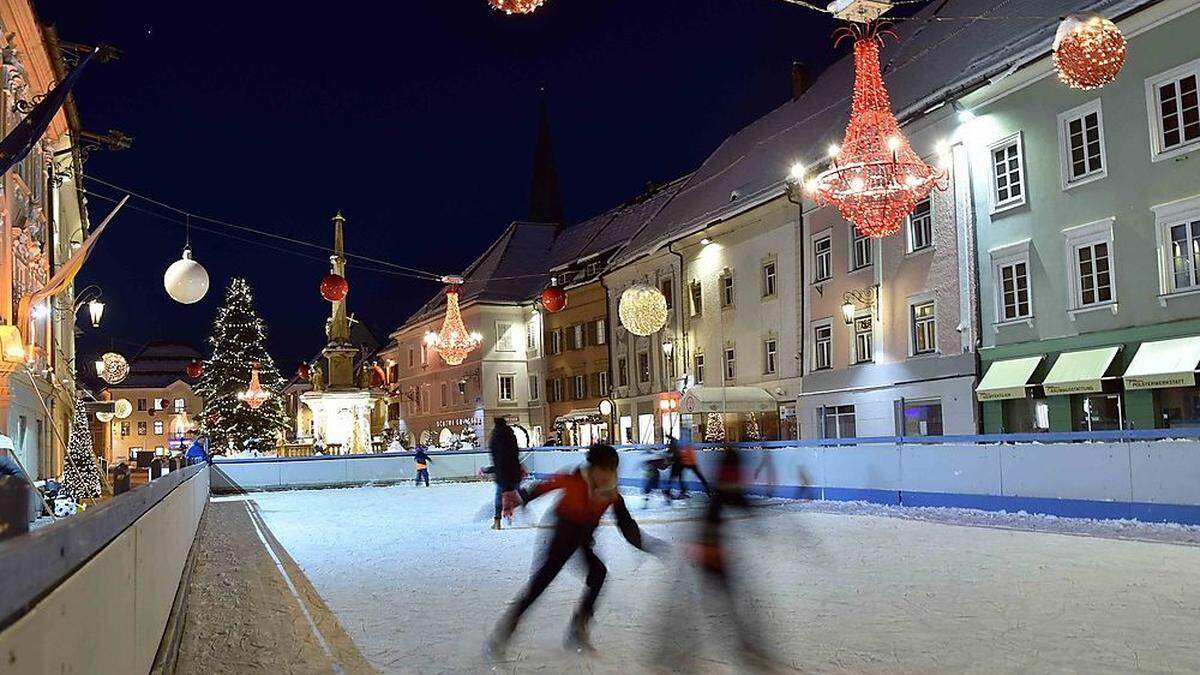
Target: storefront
<point>735,414</point>
<point>581,427</point>
<point>1165,373</point>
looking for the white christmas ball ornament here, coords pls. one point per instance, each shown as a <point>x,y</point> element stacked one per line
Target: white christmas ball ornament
<point>643,309</point>
<point>123,408</point>
<point>186,280</point>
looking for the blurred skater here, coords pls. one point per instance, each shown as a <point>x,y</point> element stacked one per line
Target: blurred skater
<point>652,470</point>
<point>587,493</point>
<point>506,466</point>
<point>421,458</point>
<point>682,457</point>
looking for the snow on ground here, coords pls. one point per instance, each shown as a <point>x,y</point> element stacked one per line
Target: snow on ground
<point>417,579</point>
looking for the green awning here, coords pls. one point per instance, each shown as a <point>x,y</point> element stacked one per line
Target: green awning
<point>1007,379</point>
<point>1166,363</point>
<point>1079,372</point>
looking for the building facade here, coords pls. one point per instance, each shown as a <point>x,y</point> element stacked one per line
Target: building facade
<point>576,367</point>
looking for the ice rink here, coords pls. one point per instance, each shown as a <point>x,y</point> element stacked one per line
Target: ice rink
<point>416,578</point>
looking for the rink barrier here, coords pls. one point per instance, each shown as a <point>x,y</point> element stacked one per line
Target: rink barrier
<point>93,593</point>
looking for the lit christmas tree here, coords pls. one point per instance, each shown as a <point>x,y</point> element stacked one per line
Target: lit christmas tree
<point>238,345</point>
<point>714,428</point>
<point>81,474</point>
<point>753,433</point>
<point>468,439</point>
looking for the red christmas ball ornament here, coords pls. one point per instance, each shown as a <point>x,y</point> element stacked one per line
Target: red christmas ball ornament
<point>194,369</point>
<point>334,287</point>
<point>516,6</point>
<point>302,371</point>
<point>1089,51</point>
<point>554,297</point>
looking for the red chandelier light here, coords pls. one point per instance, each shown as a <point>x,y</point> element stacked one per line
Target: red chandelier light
<point>254,395</point>
<point>516,6</point>
<point>876,178</point>
<point>453,343</point>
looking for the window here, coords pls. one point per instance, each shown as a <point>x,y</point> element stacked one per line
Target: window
<point>920,226</point>
<point>698,359</point>
<point>823,347</point>
<point>534,391</point>
<point>601,331</point>
<point>591,269</point>
<point>1174,106</point>
<point>727,289</point>
<point>770,348</point>
<point>1014,290</point>
<point>531,332</point>
<point>922,418</point>
<point>579,383</point>
<point>158,427</point>
<point>822,258</point>
<point>1185,254</point>
<point>602,383</point>
<point>768,279</point>
<point>445,398</point>
<point>730,363</point>
<point>860,249</point>
<point>141,404</point>
<point>839,421</point>
<point>1178,226</point>
<point>1081,144</point>
<point>1094,275</point>
<point>864,341</point>
<point>507,388</point>
<point>424,354</point>
<point>1008,173</point>
<point>504,341</point>
<point>159,450</point>
<point>141,427</point>
<point>577,337</point>
<point>180,406</point>
<point>555,392</point>
<point>411,354</point>
<point>666,287</point>
<point>696,291</point>
<point>643,367</point>
<point>555,341</point>
<point>622,372</point>
<point>924,328</point>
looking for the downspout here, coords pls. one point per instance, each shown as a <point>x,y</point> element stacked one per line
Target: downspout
<point>802,278</point>
<point>608,343</point>
<point>679,299</point>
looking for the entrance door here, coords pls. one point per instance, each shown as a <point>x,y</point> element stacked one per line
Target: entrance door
<point>1100,412</point>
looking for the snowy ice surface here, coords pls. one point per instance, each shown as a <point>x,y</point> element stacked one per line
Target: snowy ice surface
<point>417,579</point>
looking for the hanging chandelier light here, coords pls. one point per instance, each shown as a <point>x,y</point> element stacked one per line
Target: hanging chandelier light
<point>254,395</point>
<point>453,343</point>
<point>1089,51</point>
<point>516,6</point>
<point>876,178</point>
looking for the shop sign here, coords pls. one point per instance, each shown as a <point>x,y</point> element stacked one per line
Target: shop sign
<point>1161,381</point>
<point>1085,387</point>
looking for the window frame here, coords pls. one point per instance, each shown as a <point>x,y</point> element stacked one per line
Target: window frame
<point>647,371</point>
<point>512,379</point>
<point>998,206</point>
<point>869,335</point>
<point>622,371</point>
<point>180,405</point>
<point>579,387</point>
<point>822,260</point>
<point>909,245</point>
<point>770,272</point>
<point>504,337</point>
<point>860,242</point>
<point>601,328</point>
<point>698,367</point>
<point>602,383</point>
<point>1066,161</point>
<point>839,413</point>
<point>915,324</point>
<point>729,363</point>
<point>818,341</point>
<point>1168,216</point>
<point>696,297</point>
<point>159,428</point>
<point>667,287</point>
<point>770,356</point>
<point>1153,85</point>
<point>728,289</point>
<point>1008,255</point>
<point>1083,236</point>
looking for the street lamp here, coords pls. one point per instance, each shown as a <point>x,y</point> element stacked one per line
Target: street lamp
<point>852,300</point>
<point>95,311</point>
<point>94,304</point>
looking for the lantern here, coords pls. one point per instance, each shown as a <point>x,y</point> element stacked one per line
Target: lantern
<point>876,178</point>
<point>453,343</point>
<point>1089,51</point>
<point>554,297</point>
<point>112,368</point>
<point>186,280</point>
<point>643,309</point>
<point>195,369</point>
<point>254,395</point>
<point>122,408</point>
<point>334,287</point>
<point>516,6</point>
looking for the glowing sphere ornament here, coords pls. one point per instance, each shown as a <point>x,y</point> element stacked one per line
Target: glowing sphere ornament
<point>643,309</point>
<point>105,417</point>
<point>186,280</point>
<point>1089,51</point>
<point>516,6</point>
<point>303,372</point>
<point>195,369</point>
<point>115,368</point>
<point>122,408</point>
<point>554,297</point>
<point>876,178</point>
<point>334,287</point>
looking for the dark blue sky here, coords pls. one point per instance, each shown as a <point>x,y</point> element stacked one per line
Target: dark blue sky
<point>417,119</point>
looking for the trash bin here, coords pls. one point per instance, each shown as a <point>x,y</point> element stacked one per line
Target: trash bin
<point>156,466</point>
<point>120,478</point>
<point>15,511</point>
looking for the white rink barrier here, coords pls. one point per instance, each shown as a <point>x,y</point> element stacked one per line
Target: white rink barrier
<point>93,593</point>
<point>1148,480</point>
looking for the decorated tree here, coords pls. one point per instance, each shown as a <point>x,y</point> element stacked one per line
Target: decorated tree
<point>81,474</point>
<point>714,428</point>
<point>239,347</point>
<point>468,439</point>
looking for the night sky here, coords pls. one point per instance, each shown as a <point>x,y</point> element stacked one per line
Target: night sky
<point>417,119</point>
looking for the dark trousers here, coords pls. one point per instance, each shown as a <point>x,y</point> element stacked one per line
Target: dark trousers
<point>567,539</point>
<point>422,474</point>
<point>501,488</point>
<point>677,477</point>
<point>652,482</point>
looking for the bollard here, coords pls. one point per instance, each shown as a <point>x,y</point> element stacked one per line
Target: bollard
<point>156,468</point>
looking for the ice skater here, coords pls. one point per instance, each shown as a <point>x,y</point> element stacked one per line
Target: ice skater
<point>652,474</point>
<point>588,492</point>
<point>421,458</point>
<point>682,457</point>
<point>506,467</point>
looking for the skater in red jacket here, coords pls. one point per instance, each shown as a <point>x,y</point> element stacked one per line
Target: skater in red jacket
<point>587,493</point>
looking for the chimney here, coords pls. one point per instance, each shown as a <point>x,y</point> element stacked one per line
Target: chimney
<point>800,81</point>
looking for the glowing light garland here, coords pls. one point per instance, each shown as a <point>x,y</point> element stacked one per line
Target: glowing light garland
<point>516,6</point>
<point>115,369</point>
<point>453,343</point>
<point>643,309</point>
<point>876,177</point>
<point>1089,51</point>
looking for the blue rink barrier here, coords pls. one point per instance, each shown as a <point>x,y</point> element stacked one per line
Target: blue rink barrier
<point>1150,475</point>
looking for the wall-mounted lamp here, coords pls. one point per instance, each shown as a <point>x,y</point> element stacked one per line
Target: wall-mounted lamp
<point>853,300</point>
<point>668,348</point>
<point>12,346</point>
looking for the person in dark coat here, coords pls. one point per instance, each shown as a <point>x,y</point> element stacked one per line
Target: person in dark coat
<point>506,464</point>
<point>422,461</point>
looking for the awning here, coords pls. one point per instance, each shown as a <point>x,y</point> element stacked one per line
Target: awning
<point>1079,372</point>
<point>728,399</point>
<point>1007,379</point>
<point>578,415</point>
<point>1166,363</point>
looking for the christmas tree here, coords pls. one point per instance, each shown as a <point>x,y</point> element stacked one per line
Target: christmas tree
<point>239,345</point>
<point>81,474</point>
<point>714,428</point>
<point>468,439</point>
<point>753,433</point>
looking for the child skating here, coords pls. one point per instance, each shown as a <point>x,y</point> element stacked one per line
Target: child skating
<point>588,493</point>
<point>421,458</point>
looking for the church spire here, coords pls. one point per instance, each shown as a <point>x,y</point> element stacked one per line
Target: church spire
<point>545,203</point>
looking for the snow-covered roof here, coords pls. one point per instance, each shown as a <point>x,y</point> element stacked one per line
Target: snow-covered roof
<point>158,365</point>
<point>934,60</point>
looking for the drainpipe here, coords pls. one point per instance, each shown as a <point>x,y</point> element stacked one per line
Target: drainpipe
<point>801,294</point>
<point>682,336</point>
<point>608,343</point>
